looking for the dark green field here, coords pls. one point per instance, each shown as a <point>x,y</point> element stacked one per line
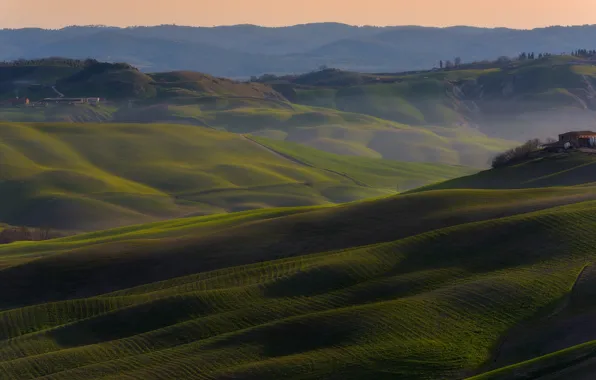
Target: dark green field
<point>437,284</point>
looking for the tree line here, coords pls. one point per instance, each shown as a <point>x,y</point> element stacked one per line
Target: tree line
<point>523,56</point>
<point>519,153</point>
<point>68,62</point>
<point>13,234</point>
<point>76,63</point>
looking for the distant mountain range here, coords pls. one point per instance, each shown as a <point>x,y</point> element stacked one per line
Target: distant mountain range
<point>242,51</point>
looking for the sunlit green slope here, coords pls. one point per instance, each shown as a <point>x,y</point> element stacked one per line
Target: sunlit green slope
<point>401,175</point>
<point>419,286</point>
<point>90,176</point>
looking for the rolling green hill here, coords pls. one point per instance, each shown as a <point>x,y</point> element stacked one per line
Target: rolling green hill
<point>252,107</point>
<point>548,170</point>
<point>336,132</point>
<point>420,286</point>
<point>324,129</point>
<point>243,248</point>
<point>116,81</point>
<point>376,172</point>
<point>513,100</point>
<point>90,176</point>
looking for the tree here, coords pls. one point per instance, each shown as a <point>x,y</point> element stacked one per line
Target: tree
<point>516,154</point>
<point>503,59</point>
<point>457,61</point>
<point>441,63</point>
<point>448,64</point>
<point>45,233</point>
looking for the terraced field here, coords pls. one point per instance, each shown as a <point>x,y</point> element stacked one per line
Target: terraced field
<point>259,259</point>
<point>92,176</point>
<point>420,286</point>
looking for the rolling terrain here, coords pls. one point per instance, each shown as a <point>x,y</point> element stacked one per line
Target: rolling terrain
<point>90,176</point>
<point>240,107</point>
<point>456,116</point>
<point>564,169</point>
<point>420,286</point>
<point>315,226</point>
<point>519,99</point>
<point>241,51</point>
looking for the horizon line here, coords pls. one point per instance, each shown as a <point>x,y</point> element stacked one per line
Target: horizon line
<point>297,25</point>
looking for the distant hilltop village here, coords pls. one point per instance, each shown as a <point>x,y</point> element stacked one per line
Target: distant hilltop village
<point>25,102</point>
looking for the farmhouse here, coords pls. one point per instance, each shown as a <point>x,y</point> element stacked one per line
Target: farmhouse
<point>579,139</point>
<point>15,102</point>
<point>65,100</point>
<point>72,100</point>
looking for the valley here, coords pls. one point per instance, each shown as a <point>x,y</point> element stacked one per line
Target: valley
<point>420,285</point>
<point>327,225</point>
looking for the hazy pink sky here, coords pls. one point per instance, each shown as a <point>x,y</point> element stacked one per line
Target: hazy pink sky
<point>510,13</point>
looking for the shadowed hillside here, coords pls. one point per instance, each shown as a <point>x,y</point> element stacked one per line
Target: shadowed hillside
<point>557,169</point>
<point>419,286</point>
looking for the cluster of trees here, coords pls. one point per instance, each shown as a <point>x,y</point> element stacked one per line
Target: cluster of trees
<point>58,61</point>
<point>450,64</point>
<point>524,56</point>
<point>583,53</point>
<point>12,234</point>
<point>457,62</point>
<point>519,153</point>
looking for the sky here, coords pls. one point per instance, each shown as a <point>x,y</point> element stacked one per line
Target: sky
<point>522,14</point>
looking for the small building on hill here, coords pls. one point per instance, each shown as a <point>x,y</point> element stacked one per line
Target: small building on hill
<point>579,139</point>
<point>20,101</point>
<point>65,100</point>
<point>15,102</point>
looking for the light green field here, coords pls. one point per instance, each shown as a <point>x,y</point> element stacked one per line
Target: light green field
<point>92,176</point>
<point>409,118</point>
<point>82,176</point>
<point>371,171</point>
<point>419,286</point>
<point>356,134</point>
<point>324,129</point>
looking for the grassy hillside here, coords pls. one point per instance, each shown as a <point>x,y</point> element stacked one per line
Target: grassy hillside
<point>89,176</point>
<point>115,81</point>
<point>372,171</point>
<point>419,286</point>
<point>339,132</point>
<point>516,100</point>
<point>367,119</point>
<point>563,169</point>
